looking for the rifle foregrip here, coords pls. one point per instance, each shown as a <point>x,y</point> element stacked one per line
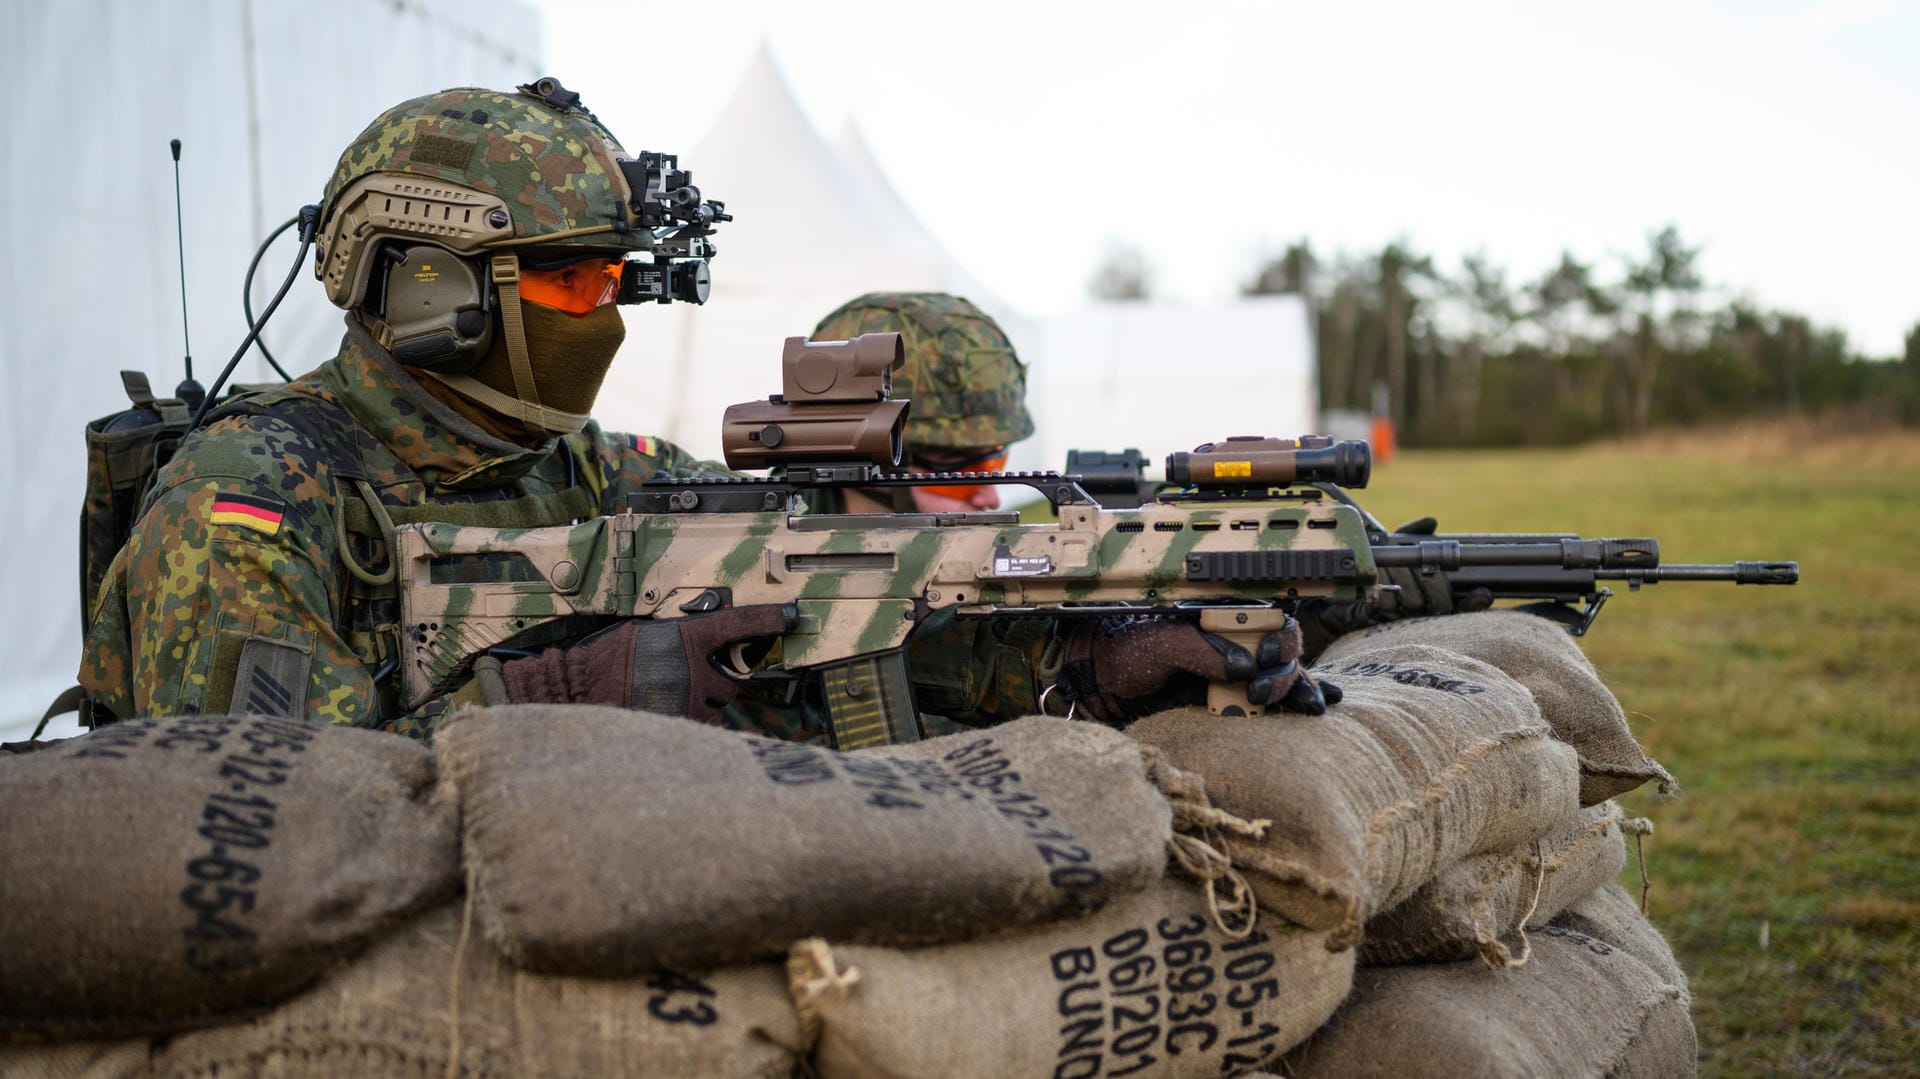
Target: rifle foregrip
<point>1245,628</point>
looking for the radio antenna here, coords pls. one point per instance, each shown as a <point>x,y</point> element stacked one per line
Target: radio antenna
<point>189,390</point>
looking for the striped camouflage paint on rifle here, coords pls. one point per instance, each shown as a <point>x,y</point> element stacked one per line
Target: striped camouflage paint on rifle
<point>859,584</point>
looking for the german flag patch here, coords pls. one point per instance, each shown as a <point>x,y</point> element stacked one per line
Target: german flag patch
<point>263,515</point>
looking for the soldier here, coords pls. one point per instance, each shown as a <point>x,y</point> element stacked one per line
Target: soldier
<point>475,239</point>
<point>968,389</point>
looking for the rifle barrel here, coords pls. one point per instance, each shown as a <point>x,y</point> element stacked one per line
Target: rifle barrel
<point>1636,555</point>
<point>1737,572</point>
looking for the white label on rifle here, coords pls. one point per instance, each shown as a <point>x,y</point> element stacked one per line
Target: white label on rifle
<point>1006,564</point>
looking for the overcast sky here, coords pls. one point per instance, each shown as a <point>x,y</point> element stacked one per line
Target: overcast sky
<point>1030,136</point>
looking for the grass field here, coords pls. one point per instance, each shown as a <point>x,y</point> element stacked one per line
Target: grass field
<point>1788,874</point>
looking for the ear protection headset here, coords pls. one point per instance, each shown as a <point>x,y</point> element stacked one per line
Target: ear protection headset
<point>435,304</point>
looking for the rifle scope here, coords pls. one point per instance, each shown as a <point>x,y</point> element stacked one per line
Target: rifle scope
<point>835,408</point>
<point>1256,461</point>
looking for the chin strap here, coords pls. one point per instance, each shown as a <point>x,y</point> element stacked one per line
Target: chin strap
<point>506,285</point>
<point>524,404</point>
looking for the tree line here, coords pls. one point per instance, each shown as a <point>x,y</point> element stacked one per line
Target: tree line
<point>1469,358</point>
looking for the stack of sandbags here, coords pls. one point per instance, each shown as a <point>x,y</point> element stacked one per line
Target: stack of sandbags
<point>1148,987</point>
<point>1431,758</point>
<point>1601,996</point>
<point>1542,656</point>
<point>1475,906</point>
<point>606,842</point>
<point>434,1000</point>
<point>1449,981</point>
<point>165,874</point>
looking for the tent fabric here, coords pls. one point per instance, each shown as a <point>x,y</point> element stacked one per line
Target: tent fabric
<point>262,96</point>
<point>1160,377</point>
<point>814,228</point>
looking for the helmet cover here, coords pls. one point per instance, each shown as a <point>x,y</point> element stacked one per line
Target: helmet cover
<point>968,388</point>
<point>473,169</point>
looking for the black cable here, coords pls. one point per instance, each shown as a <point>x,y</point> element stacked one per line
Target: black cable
<point>246,294</point>
<point>309,224</point>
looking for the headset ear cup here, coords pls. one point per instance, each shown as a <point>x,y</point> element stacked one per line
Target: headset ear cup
<point>437,309</point>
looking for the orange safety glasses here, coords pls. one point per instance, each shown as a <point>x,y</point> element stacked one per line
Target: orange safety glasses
<point>576,288</point>
<point>994,461</point>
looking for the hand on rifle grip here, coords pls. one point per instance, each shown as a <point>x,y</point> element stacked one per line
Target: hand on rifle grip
<point>1122,669</point>
<point>664,665</point>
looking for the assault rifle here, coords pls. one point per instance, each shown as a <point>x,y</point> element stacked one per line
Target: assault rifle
<point>1258,525</point>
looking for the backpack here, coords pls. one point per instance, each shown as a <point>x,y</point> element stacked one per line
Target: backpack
<point>124,450</point>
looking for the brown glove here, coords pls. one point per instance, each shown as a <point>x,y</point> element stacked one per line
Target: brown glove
<point>1122,669</point>
<point>656,665</point>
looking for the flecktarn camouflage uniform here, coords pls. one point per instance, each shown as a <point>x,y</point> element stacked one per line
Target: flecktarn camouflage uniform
<point>259,576</point>
<point>241,541</point>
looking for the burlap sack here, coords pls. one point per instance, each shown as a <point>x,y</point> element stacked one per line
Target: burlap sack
<point>130,1059</point>
<point>1609,914</point>
<point>395,1013</point>
<point>1542,656</point>
<point>1573,1012</point>
<point>1431,757</point>
<point>1477,905</point>
<point>160,874</point>
<point>1147,987</point>
<point>605,841</point>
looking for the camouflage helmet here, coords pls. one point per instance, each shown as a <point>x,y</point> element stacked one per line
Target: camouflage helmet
<point>473,170</point>
<point>968,388</point>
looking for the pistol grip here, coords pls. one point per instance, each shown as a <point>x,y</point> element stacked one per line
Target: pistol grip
<point>1244,627</point>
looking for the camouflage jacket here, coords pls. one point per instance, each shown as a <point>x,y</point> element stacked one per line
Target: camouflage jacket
<point>247,580</point>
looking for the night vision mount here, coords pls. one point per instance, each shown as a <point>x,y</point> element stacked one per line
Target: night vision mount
<point>664,202</point>
<point>668,205</point>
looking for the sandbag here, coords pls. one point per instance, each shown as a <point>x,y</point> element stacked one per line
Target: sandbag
<point>1148,987</point>
<point>1431,757</point>
<point>1573,1012</point>
<point>120,1059</point>
<point>605,841</point>
<point>1609,915</point>
<point>1541,655</point>
<point>394,1014</point>
<point>160,874</point>
<point>1475,905</point>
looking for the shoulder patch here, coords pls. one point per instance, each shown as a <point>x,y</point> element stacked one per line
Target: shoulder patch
<point>646,445</point>
<point>263,515</point>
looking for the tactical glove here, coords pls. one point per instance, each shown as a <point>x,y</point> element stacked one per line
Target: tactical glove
<point>1412,593</point>
<point>658,665</point>
<point>1122,669</point>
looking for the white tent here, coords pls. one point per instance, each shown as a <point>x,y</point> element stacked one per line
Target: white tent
<point>815,227</point>
<point>263,97</point>
<point>1160,377</point>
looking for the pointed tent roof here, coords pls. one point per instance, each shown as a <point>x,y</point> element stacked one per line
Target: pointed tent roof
<point>798,205</point>
<point>813,229</point>
<point>858,155</point>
